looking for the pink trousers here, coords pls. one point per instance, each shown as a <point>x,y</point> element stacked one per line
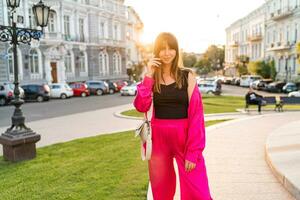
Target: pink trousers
<point>168,142</point>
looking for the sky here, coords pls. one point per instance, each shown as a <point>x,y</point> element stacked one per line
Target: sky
<point>195,23</point>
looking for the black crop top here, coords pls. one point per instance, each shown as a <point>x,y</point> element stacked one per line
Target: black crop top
<point>172,102</point>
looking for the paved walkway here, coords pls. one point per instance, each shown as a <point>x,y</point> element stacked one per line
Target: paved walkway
<point>283,156</point>
<point>235,159</point>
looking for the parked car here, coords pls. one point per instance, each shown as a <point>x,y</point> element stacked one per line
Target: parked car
<point>97,87</point>
<point>112,87</point>
<point>247,80</point>
<point>261,84</point>
<point>237,81</point>
<point>129,89</point>
<point>207,87</point>
<point>38,92</point>
<point>228,80</point>
<point>60,90</point>
<point>289,87</point>
<point>275,86</point>
<point>120,84</point>
<point>80,89</point>
<point>294,94</point>
<point>7,93</point>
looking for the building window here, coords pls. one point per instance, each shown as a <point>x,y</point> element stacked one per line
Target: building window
<point>103,64</point>
<point>115,32</point>
<point>102,30</point>
<point>67,27</point>
<point>68,62</point>
<point>81,30</point>
<point>117,63</point>
<point>82,62</point>
<point>102,3</point>
<point>34,61</point>
<point>51,21</point>
<point>32,22</point>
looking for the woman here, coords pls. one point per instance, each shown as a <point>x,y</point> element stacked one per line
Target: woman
<point>177,124</point>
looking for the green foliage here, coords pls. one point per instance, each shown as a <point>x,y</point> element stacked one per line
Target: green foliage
<point>212,60</point>
<point>137,70</point>
<point>262,68</point>
<point>242,69</point>
<point>189,60</point>
<point>273,72</point>
<point>215,56</point>
<point>203,66</point>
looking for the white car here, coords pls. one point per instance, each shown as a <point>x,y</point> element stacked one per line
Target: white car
<point>294,94</point>
<point>247,80</point>
<point>129,89</point>
<point>60,90</point>
<point>207,87</point>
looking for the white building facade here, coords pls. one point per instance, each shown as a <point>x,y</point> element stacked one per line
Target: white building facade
<point>273,32</point>
<point>282,28</point>
<point>84,40</point>
<point>245,37</point>
<point>134,31</point>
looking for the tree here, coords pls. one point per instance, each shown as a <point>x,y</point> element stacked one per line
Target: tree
<point>189,60</point>
<point>263,68</point>
<point>203,66</point>
<point>215,56</point>
<point>273,69</point>
<point>137,70</point>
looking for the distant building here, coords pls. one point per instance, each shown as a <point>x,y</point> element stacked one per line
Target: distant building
<point>271,32</point>
<point>83,40</point>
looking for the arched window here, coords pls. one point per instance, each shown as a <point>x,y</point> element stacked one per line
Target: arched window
<point>117,63</point>
<point>103,64</point>
<point>82,62</point>
<point>34,61</point>
<point>68,62</point>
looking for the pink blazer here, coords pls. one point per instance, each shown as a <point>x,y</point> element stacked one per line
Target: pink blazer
<point>195,143</point>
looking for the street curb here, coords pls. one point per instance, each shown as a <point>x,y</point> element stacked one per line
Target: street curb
<point>278,172</point>
<point>118,114</point>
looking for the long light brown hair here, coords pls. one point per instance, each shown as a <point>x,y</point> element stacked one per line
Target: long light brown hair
<point>161,41</point>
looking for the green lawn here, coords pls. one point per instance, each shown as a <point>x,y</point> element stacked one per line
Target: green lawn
<point>212,104</point>
<point>219,104</point>
<point>102,167</point>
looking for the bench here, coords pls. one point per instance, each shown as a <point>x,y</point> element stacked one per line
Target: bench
<point>269,101</point>
<point>289,101</point>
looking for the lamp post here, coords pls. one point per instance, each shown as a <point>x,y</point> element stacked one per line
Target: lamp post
<point>19,141</point>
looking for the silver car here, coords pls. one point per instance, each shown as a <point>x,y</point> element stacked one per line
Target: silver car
<point>7,92</point>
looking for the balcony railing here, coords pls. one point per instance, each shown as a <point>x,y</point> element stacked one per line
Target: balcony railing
<point>255,38</point>
<point>234,44</point>
<point>281,14</point>
<point>280,46</point>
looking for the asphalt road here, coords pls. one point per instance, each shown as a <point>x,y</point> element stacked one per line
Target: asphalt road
<point>56,107</point>
<point>241,91</point>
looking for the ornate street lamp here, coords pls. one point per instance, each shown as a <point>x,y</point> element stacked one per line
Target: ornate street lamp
<point>19,141</point>
<point>13,3</point>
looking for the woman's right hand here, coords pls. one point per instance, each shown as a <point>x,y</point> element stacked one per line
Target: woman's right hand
<point>151,65</point>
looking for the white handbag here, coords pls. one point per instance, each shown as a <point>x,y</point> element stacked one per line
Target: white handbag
<point>144,131</point>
